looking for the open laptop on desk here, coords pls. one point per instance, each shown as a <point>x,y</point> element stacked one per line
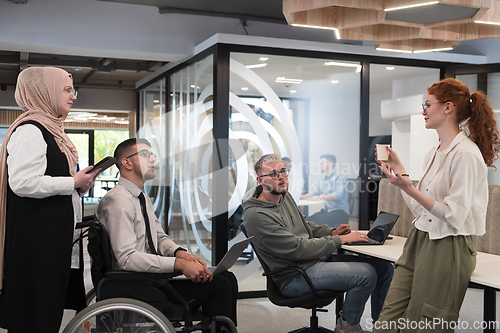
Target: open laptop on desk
<point>229,258</point>
<point>380,230</point>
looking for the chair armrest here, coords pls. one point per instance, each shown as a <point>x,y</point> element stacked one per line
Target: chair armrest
<point>300,271</point>
<point>127,275</point>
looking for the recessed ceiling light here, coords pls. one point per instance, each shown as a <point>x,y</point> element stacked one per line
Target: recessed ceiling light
<point>390,68</point>
<point>312,26</point>
<point>434,50</point>
<point>485,22</point>
<point>257,65</point>
<point>244,88</point>
<point>391,50</point>
<point>341,64</point>
<point>334,81</point>
<point>337,33</point>
<point>293,91</point>
<point>156,101</point>
<point>412,6</point>
<point>282,79</point>
<point>264,58</point>
<point>78,69</point>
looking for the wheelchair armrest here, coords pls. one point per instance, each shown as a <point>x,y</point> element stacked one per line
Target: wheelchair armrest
<point>127,275</point>
<point>86,220</point>
<point>300,271</point>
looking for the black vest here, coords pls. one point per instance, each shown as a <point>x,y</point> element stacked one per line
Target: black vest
<point>38,242</point>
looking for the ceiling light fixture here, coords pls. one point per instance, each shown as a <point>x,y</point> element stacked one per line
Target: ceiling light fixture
<point>312,26</point>
<point>244,88</point>
<point>484,22</point>
<point>341,64</point>
<point>390,68</point>
<point>256,65</point>
<point>391,50</point>
<point>337,33</point>
<point>434,50</point>
<point>412,6</point>
<point>264,58</point>
<point>334,81</point>
<point>344,64</point>
<point>282,79</point>
<point>293,91</point>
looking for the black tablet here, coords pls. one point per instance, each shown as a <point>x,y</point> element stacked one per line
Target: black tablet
<point>104,163</point>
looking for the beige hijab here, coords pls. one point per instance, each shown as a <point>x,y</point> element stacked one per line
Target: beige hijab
<point>38,93</point>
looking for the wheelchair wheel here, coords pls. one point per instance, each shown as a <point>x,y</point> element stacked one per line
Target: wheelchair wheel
<point>119,315</point>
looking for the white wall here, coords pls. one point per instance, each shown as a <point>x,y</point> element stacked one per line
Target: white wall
<point>7,97</point>
<point>105,99</point>
<point>334,125</point>
<point>410,139</point>
<point>379,126</point>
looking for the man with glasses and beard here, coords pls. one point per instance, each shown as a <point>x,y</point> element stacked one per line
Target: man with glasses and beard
<point>140,244</point>
<point>284,238</point>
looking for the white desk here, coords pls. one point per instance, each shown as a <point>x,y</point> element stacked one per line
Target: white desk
<point>312,206</point>
<point>308,203</point>
<point>486,275</point>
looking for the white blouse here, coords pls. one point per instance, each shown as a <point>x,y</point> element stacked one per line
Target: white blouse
<point>27,162</point>
<point>459,187</point>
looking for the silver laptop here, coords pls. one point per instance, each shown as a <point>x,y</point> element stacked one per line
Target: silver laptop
<point>229,258</point>
<point>380,230</point>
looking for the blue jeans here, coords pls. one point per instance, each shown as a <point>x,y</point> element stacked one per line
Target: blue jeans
<point>359,276</point>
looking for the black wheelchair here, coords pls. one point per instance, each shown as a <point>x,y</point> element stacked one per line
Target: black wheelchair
<point>131,301</point>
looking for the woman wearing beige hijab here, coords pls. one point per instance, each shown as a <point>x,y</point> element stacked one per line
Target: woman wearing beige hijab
<point>39,203</point>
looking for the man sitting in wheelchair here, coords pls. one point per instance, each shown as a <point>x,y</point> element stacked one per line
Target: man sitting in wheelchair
<point>140,244</point>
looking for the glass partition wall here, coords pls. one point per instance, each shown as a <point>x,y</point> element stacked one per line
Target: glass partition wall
<point>190,141</point>
<point>211,118</point>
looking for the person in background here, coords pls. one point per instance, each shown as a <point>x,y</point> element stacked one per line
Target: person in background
<point>40,190</point>
<point>333,190</point>
<point>123,215</point>
<point>449,204</point>
<point>283,238</point>
<point>287,162</point>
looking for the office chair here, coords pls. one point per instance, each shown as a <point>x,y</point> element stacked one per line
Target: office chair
<point>314,300</point>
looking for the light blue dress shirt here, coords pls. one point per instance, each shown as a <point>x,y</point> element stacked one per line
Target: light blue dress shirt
<point>336,185</point>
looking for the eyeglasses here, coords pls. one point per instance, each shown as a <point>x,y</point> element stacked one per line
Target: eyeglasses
<point>426,105</point>
<point>144,153</point>
<point>275,174</point>
<point>71,91</point>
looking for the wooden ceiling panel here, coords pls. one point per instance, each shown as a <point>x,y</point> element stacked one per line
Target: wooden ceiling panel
<point>380,32</point>
<point>405,25</point>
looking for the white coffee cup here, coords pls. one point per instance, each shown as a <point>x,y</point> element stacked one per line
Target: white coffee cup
<point>382,152</point>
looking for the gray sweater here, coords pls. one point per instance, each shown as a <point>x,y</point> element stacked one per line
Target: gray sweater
<point>283,237</point>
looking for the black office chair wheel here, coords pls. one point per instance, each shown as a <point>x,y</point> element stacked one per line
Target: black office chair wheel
<point>119,315</point>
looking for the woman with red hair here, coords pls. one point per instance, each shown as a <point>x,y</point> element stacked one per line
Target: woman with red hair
<point>449,204</point>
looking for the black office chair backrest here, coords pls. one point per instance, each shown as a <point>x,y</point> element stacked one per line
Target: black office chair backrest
<point>99,249</point>
<point>317,298</point>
